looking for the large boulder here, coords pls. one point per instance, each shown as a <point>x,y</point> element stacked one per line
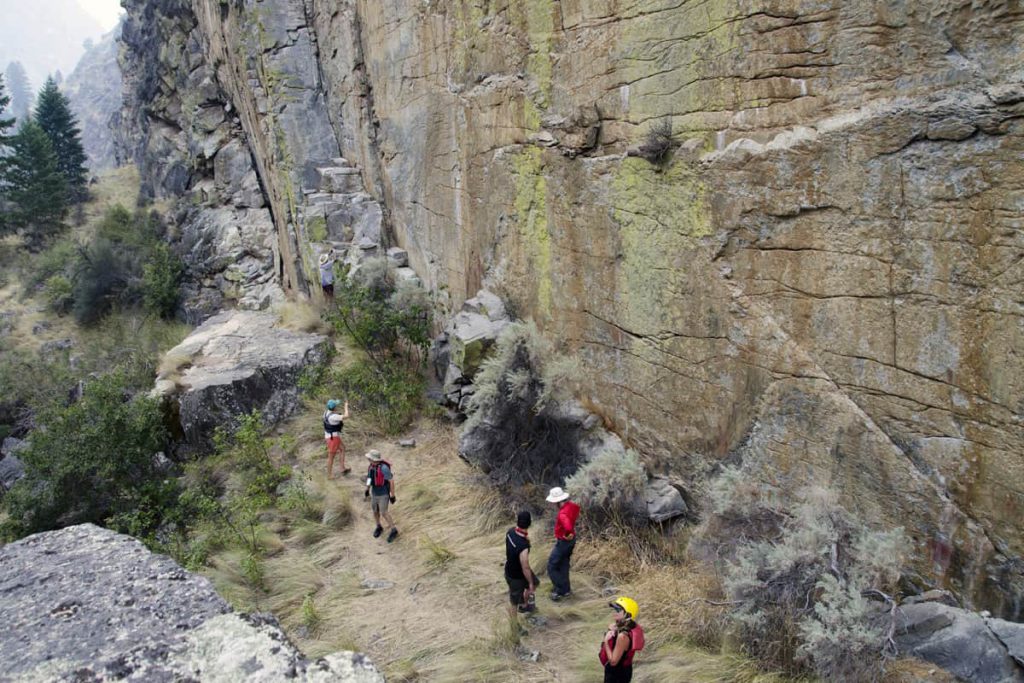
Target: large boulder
<point>234,363</point>
<point>87,604</point>
<point>966,644</point>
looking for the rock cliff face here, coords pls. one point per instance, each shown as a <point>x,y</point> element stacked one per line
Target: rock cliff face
<point>87,604</point>
<point>819,278</point>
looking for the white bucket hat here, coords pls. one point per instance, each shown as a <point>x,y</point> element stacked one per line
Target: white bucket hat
<point>324,258</point>
<point>557,495</point>
<point>374,455</point>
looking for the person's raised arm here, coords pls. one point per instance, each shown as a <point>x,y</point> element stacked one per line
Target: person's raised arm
<point>345,415</point>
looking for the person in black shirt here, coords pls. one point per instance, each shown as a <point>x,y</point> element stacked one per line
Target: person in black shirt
<point>521,580</point>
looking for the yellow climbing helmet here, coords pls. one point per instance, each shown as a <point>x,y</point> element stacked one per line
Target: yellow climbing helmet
<point>628,605</point>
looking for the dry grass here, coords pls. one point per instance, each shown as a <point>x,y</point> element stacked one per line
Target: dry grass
<point>338,512</point>
<point>910,670</point>
<point>301,316</point>
<point>448,604</point>
<point>438,557</point>
<point>172,365</point>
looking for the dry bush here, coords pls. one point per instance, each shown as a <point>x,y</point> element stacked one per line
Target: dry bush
<point>301,316</point>
<point>657,143</point>
<point>172,365</point>
<point>515,431</point>
<point>799,591</point>
<point>608,485</point>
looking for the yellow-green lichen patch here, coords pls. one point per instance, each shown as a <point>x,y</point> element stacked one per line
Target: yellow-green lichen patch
<point>316,229</point>
<point>661,214</point>
<point>677,62</point>
<point>532,220</point>
<point>536,18</point>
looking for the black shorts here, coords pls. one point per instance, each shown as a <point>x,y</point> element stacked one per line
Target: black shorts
<point>328,289</point>
<point>516,588</point>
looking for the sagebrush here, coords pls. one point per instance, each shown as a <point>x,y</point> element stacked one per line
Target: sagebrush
<point>801,588</point>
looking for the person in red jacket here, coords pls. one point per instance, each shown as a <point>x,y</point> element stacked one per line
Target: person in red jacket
<point>565,541</point>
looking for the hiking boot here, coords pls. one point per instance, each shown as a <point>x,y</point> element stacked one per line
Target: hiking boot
<point>393,535</point>
<point>556,596</point>
<point>527,608</point>
<point>378,531</point>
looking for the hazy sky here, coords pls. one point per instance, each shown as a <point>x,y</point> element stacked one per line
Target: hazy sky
<point>105,11</point>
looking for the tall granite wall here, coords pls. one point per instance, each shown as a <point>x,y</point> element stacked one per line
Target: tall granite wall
<point>821,280</point>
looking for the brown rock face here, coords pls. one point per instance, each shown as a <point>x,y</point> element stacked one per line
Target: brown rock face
<point>822,278</point>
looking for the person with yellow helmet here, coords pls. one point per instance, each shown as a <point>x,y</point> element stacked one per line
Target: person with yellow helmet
<point>622,641</point>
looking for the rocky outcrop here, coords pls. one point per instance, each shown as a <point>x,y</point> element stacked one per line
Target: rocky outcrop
<point>971,646</point>
<point>180,128</point>
<point>11,467</point>
<point>85,603</point>
<point>833,225</point>
<point>94,91</point>
<point>818,276</point>
<point>234,363</point>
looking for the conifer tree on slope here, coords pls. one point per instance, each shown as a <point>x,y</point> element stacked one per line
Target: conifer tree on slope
<point>5,142</point>
<point>35,188</point>
<point>20,90</point>
<point>53,114</point>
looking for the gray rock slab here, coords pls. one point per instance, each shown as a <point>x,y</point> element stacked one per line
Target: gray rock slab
<point>664,501</point>
<point>1011,634</point>
<point>956,640</point>
<point>240,362</point>
<point>398,256</point>
<point>11,470</point>
<point>87,604</point>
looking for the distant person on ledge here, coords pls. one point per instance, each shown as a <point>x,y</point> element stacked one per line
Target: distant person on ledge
<point>327,275</point>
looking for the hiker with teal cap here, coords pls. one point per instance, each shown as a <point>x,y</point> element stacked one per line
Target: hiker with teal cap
<point>333,424</point>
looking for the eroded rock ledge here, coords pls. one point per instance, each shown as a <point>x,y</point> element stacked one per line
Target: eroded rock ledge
<point>234,363</point>
<point>87,604</point>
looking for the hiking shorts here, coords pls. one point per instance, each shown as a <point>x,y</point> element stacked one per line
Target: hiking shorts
<point>516,588</point>
<point>333,444</point>
<point>379,504</point>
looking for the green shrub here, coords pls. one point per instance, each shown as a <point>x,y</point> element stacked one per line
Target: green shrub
<point>59,293</point>
<point>384,322</point>
<point>101,277</point>
<point>311,618</point>
<point>799,592</point>
<point>389,392</point>
<point>161,277</point>
<point>59,259</point>
<point>93,462</point>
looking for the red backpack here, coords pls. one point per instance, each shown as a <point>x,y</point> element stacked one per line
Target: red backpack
<point>377,472</point>
<point>636,643</point>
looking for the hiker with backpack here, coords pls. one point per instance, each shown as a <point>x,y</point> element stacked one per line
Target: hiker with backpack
<point>333,424</point>
<point>522,582</point>
<point>380,489</point>
<point>327,274</point>
<point>622,641</point>
<point>565,542</point>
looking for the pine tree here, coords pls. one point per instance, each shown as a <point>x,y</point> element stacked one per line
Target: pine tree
<point>5,123</point>
<point>21,91</point>
<point>53,114</point>
<point>35,188</point>
<point>5,143</point>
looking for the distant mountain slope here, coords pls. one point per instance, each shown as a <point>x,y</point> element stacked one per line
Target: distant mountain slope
<point>94,88</point>
<point>44,36</point>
